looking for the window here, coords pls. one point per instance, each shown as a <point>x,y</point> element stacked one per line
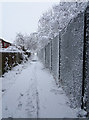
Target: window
<point>0,44</point>
<point>5,44</point>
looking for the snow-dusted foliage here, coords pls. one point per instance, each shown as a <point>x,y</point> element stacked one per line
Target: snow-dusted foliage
<point>57,19</point>
<point>32,40</point>
<point>27,41</point>
<point>49,25</point>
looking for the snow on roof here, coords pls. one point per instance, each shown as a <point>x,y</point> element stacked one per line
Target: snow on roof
<point>5,41</point>
<point>10,49</point>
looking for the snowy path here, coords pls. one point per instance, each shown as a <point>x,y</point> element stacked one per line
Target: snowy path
<point>29,91</point>
<point>19,100</point>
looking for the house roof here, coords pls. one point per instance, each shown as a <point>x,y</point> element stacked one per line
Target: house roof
<point>4,41</point>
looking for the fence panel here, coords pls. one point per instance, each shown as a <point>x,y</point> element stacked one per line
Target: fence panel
<point>68,57</point>
<point>55,58</point>
<point>0,63</point>
<point>48,56</point>
<point>72,59</point>
<point>41,55</point>
<point>86,62</point>
<point>9,60</point>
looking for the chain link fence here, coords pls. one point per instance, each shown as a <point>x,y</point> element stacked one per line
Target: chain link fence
<point>67,57</point>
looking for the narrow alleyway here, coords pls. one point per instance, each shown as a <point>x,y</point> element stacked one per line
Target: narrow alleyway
<point>29,91</point>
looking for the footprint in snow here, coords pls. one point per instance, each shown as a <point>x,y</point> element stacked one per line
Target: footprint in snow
<point>57,91</point>
<point>6,108</point>
<point>3,90</point>
<point>20,105</point>
<point>21,94</point>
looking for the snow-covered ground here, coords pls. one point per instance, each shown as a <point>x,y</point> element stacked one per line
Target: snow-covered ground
<point>29,91</point>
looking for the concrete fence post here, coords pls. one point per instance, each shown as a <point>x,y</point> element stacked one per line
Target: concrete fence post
<point>85,81</point>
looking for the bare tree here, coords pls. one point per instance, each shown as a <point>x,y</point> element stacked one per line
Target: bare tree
<point>20,41</point>
<point>27,41</point>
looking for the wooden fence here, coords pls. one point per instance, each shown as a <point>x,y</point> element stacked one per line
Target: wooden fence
<point>10,59</point>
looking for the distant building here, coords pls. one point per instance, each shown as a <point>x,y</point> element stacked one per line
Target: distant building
<point>4,44</point>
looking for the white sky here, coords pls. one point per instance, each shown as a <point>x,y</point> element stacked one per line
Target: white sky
<point>21,17</point>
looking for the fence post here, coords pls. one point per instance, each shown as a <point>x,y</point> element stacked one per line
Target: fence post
<point>85,81</point>
<point>84,55</point>
<point>51,54</point>
<point>59,55</point>
<point>0,63</point>
<point>45,55</point>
